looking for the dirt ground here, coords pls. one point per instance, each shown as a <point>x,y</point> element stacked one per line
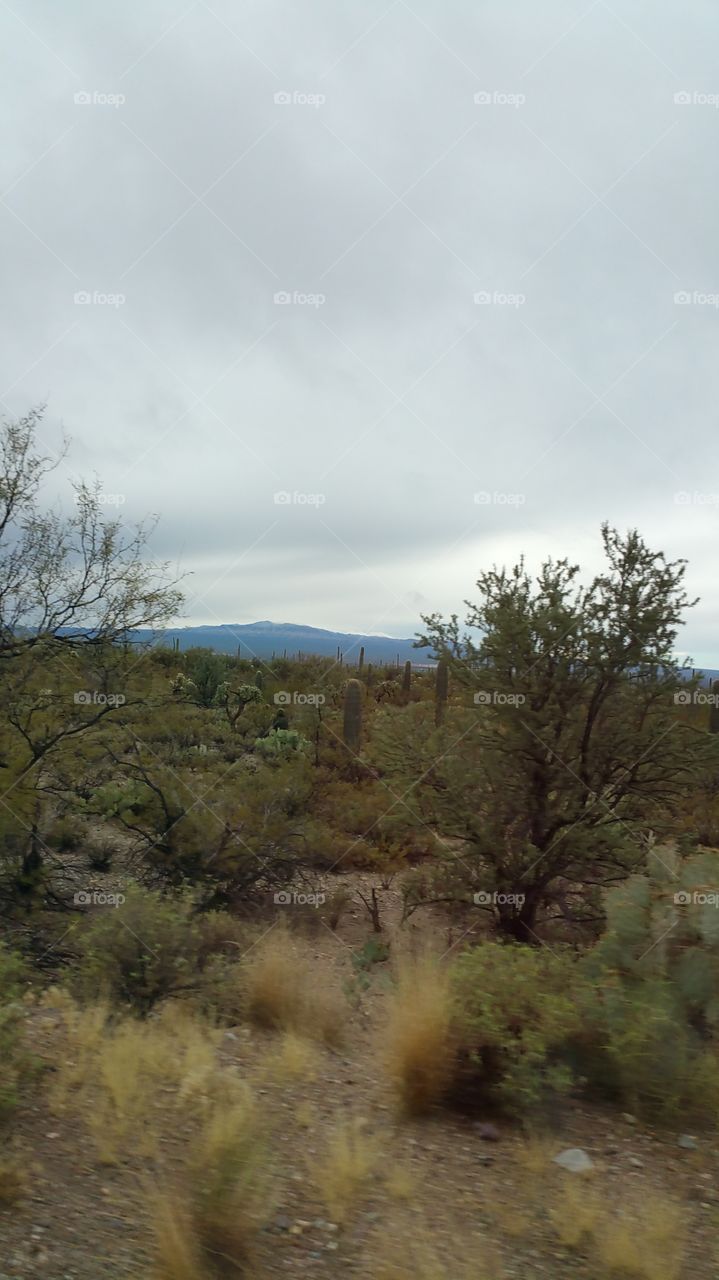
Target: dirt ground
<point>462,1191</point>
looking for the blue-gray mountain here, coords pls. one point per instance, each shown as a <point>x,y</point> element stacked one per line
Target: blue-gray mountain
<point>263,639</point>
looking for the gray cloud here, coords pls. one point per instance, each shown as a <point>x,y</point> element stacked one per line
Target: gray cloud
<point>577,196</point>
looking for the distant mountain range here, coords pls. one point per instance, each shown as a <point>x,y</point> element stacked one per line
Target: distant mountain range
<point>263,639</point>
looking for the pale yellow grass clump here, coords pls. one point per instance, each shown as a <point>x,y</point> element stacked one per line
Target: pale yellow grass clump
<point>406,1249</point>
<point>417,1044</point>
<point>285,989</point>
<point>292,1058</point>
<point>646,1241</point>
<point>128,1076</point>
<point>206,1224</point>
<point>577,1212</point>
<point>345,1169</point>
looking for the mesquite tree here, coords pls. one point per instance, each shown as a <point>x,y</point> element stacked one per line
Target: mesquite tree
<point>575,743</point>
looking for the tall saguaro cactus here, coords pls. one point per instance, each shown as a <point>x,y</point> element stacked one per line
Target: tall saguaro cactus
<point>714,709</point>
<point>352,722</point>
<point>407,678</point>
<point>360,664</point>
<point>441,687</point>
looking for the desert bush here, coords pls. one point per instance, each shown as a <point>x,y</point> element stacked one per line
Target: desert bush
<point>100,850</point>
<point>650,1015</point>
<point>151,948</point>
<point>283,990</point>
<point>418,1044</point>
<point>65,834</point>
<point>514,1010</point>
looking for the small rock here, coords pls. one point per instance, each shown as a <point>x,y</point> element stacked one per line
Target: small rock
<point>635,1162</point>
<point>332,1244</point>
<point>629,1118</point>
<point>52,1135</point>
<point>687,1142</point>
<point>282,1222</point>
<point>488,1132</point>
<point>574,1160</point>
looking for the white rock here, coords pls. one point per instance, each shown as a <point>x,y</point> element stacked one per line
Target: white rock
<point>574,1160</point>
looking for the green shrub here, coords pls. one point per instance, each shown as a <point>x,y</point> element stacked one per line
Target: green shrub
<point>100,850</point>
<point>650,1015</point>
<point>151,947</point>
<point>280,744</point>
<point>514,1012</point>
<point>65,834</point>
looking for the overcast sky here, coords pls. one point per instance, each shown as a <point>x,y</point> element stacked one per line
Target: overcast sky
<point>482,215</point>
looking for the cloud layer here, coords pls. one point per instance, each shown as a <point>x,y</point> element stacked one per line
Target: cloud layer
<point>443,278</point>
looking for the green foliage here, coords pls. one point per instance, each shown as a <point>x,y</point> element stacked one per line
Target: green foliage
<point>66,833</point>
<point>576,740</point>
<point>151,947</point>
<point>280,744</point>
<point>514,1011</point>
<point>651,1022</point>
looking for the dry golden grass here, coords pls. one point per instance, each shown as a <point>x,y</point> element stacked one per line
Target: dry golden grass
<point>292,1058</point>
<point>646,1241</point>
<point>129,1078</point>
<point>576,1213</point>
<point>284,990</point>
<point>206,1225</point>
<point>401,1182</point>
<point>405,1249</point>
<point>417,1045</point>
<point>344,1170</point>
<point>14,1179</point>
<point>177,1253</point>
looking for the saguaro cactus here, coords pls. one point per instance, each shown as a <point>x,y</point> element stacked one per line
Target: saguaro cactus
<point>360,664</point>
<point>259,680</point>
<point>441,686</point>
<point>407,678</point>
<point>714,709</point>
<point>352,722</point>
